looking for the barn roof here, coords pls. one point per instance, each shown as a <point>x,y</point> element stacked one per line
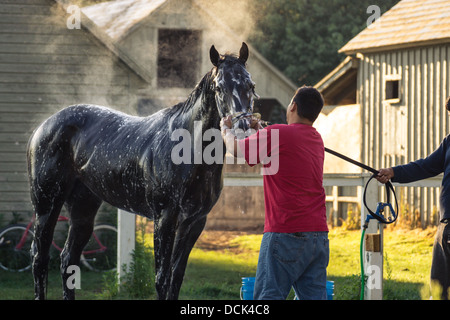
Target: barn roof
<point>339,86</point>
<point>409,23</point>
<point>120,17</point>
<point>109,43</point>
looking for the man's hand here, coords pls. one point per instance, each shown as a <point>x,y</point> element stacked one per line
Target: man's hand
<point>230,139</point>
<point>225,124</point>
<point>385,175</point>
<point>256,124</point>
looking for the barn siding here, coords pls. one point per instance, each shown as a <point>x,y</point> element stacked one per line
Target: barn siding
<point>44,67</point>
<point>421,120</point>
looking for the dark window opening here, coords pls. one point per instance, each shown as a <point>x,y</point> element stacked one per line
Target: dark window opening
<point>179,58</point>
<point>270,110</point>
<point>392,89</point>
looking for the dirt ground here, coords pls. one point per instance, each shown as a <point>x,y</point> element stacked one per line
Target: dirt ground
<point>211,240</point>
<point>215,240</point>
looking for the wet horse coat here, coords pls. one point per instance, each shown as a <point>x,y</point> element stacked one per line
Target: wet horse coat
<point>86,154</point>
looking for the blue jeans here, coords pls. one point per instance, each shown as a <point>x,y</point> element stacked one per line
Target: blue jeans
<point>297,260</point>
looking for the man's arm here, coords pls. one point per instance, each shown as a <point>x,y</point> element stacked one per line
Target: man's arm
<point>230,139</point>
<point>416,170</point>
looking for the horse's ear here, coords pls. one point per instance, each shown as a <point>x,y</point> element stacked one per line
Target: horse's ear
<point>214,56</point>
<point>243,53</point>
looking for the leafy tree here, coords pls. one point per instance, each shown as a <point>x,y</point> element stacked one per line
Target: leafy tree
<point>302,37</point>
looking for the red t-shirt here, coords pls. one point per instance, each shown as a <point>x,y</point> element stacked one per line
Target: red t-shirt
<point>292,157</point>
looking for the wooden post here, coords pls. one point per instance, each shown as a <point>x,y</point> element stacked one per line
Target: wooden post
<point>126,237</point>
<point>335,210</point>
<point>373,260</point>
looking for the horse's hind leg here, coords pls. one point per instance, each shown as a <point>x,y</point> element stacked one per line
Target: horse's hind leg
<point>47,203</point>
<point>83,206</point>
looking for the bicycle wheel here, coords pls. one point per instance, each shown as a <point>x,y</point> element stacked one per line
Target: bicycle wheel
<point>15,245</point>
<point>100,254</point>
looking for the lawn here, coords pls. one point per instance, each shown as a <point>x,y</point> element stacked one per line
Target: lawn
<point>220,259</point>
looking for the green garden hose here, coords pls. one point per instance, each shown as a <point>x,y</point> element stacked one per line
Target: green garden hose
<point>362,263</point>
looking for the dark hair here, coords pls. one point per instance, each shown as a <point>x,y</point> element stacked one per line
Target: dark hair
<point>447,104</point>
<point>309,102</point>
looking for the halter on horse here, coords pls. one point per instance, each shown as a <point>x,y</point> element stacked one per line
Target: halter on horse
<point>86,154</point>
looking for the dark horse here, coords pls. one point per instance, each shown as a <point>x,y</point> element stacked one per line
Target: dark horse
<point>86,154</point>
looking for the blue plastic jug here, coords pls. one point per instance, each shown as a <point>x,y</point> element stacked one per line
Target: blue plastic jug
<point>248,284</point>
<point>330,290</point>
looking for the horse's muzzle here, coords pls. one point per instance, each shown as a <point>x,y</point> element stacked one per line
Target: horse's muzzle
<point>241,121</point>
<point>243,124</point>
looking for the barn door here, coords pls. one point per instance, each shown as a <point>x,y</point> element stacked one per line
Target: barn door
<point>394,133</point>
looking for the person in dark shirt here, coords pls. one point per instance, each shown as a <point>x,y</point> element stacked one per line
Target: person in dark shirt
<point>434,164</point>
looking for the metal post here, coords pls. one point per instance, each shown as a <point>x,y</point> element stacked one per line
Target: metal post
<point>126,223</point>
<point>373,260</point>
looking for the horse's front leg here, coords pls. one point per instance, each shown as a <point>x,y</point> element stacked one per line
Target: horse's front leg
<point>187,234</point>
<point>164,235</point>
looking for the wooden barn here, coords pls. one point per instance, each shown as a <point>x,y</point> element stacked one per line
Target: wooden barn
<point>394,84</point>
<point>135,56</point>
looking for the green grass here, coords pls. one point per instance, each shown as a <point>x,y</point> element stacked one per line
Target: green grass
<point>407,263</point>
<point>216,274</point>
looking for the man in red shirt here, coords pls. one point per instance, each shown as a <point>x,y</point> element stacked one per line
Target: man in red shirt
<point>294,249</point>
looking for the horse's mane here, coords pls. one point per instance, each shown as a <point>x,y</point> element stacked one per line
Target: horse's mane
<point>201,87</point>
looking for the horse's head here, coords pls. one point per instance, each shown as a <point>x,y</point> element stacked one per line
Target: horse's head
<point>233,86</point>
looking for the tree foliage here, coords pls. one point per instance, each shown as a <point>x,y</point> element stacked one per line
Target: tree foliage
<point>302,37</point>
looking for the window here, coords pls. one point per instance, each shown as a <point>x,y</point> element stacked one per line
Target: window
<point>392,88</point>
<point>179,57</point>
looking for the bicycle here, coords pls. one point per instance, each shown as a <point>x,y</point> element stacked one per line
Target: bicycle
<point>99,254</point>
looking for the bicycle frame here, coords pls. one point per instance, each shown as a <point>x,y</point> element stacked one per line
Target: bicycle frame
<point>20,244</point>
